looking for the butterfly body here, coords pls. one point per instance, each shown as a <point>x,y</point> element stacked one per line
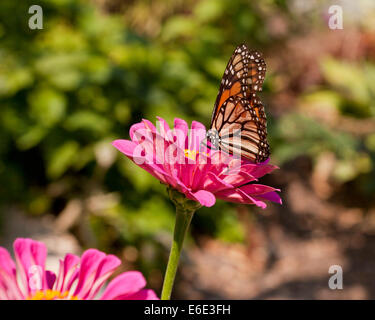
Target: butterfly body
<point>238,122</point>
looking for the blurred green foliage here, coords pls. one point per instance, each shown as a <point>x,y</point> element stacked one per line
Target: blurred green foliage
<point>70,89</point>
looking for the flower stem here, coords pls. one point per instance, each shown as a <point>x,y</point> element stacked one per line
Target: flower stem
<point>183,219</point>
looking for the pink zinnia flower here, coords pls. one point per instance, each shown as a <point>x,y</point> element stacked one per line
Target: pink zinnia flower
<point>176,158</point>
<point>78,277</point>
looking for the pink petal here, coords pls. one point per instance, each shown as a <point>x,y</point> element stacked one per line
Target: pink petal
<point>180,186</point>
<point>181,125</point>
<point>185,173</point>
<point>144,294</point>
<point>50,278</point>
<point>215,184</point>
<point>128,148</point>
<point>205,198</point>
<point>134,128</point>
<point>159,174</point>
<point>134,151</point>
<point>149,125</point>
<point>126,283</point>
<point>200,174</point>
<point>258,170</point>
<point>145,146</point>
<point>164,129</point>
<point>68,272</point>
<point>257,189</point>
<point>125,146</point>
<point>238,179</point>
<point>164,152</point>
<point>6,262</point>
<point>180,131</point>
<point>9,289</point>
<point>271,196</point>
<point>174,161</point>
<point>90,261</point>
<point>238,196</point>
<point>197,134</point>
<point>30,259</point>
<point>105,269</point>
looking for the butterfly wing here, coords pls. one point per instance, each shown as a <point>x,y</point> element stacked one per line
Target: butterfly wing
<point>242,128</point>
<point>238,115</point>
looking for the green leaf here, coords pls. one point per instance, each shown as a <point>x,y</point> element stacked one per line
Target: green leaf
<point>47,106</point>
<point>61,159</point>
<point>88,120</point>
<point>31,138</point>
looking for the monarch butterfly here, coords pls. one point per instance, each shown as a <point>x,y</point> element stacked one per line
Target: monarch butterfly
<point>238,122</point>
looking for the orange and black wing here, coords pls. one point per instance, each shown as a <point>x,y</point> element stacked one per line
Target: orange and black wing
<point>239,115</point>
<point>243,76</point>
<point>242,127</point>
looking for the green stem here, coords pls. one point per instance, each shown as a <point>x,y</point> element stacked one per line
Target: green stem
<point>183,219</point>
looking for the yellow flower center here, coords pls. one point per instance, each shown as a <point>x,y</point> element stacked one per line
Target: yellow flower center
<point>51,295</point>
<point>192,154</point>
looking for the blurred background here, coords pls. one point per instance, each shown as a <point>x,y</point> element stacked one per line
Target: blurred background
<point>98,66</point>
